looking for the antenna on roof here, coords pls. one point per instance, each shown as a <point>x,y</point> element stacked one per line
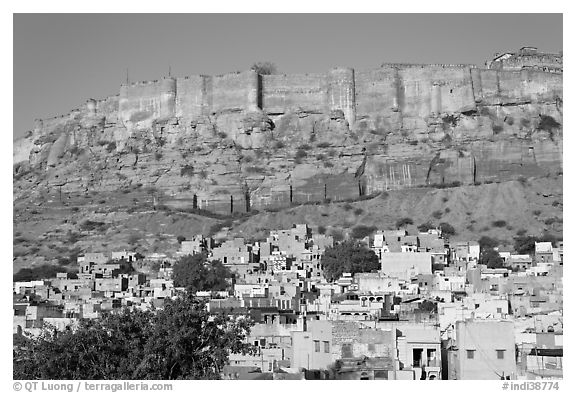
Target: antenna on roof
<point>127,78</point>
<point>169,71</point>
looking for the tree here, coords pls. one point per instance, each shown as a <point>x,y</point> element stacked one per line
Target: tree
<point>264,68</point>
<point>426,227</point>
<point>181,341</point>
<point>361,231</point>
<point>447,229</point>
<point>196,274</point>
<point>491,258</point>
<point>487,242</point>
<point>349,257</point>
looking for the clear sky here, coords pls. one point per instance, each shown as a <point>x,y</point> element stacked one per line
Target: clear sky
<point>61,60</point>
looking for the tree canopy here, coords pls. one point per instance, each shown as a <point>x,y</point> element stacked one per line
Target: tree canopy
<point>196,274</point>
<point>348,257</point>
<point>264,68</point>
<point>180,341</point>
<point>491,258</point>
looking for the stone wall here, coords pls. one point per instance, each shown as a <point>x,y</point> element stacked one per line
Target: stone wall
<point>147,100</point>
<point>282,93</point>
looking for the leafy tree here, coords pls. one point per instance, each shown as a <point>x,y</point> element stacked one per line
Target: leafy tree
<point>426,226</point>
<point>264,68</point>
<point>488,256</point>
<point>349,257</point>
<point>491,258</point>
<point>525,244</point>
<point>181,341</point>
<point>428,305</point>
<point>196,274</point>
<point>38,272</point>
<point>361,231</point>
<point>447,229</point>
<point>487,242</point>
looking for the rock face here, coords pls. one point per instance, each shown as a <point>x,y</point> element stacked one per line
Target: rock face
<point>258,141</point>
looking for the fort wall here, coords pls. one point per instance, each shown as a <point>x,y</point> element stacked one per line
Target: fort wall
<point>282,93</point>
<point>191,98</point>
<point>231,92</point>
<point>413,91</point>
<point>147,100</point>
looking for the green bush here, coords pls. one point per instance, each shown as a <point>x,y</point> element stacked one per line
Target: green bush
<point>403,222</point>
<point>300,153</point>
<point>437,214</point>
<point>499,224</point>
<point>447,229</point>
<point>187,170</point>
<point>361,231</point>
<point>547,123</point>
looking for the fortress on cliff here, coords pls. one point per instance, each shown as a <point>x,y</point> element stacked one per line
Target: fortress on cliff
<point>411,89</point>
<point>243,136</point>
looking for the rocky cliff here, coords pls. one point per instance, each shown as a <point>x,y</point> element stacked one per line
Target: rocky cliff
<point>247,141</point>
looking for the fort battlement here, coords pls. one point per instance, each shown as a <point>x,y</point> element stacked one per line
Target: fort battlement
<point>412,90</point>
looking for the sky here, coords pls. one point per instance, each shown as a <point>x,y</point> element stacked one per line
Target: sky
<point>61,60</point>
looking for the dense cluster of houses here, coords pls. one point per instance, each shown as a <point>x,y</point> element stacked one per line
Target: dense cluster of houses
<point>431,311</point>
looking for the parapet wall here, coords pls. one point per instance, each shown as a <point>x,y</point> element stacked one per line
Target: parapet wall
<point>281,93</point>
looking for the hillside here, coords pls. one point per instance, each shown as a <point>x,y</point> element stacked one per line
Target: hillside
<point>439,143</point>
<point>53,232</point>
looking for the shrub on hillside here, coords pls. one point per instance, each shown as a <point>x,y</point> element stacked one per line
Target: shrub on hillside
<point>499,224</point>
<point>447,229</point>
<point>361,231</point>
<point>187,170</point>
<point>403,222</point>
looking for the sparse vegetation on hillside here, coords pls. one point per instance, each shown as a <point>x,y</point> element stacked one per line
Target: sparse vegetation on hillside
<point>187,170</point>
<point>404,222</point>
<point>361,231</point>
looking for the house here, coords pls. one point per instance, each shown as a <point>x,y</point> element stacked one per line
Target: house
<point>482,349</point>
<point>406,264</point>
<point>543,252</point>
<point>419,350</point>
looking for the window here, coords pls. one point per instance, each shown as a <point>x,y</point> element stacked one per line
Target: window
<point>316,346</point>
<point>371,347</point>
<point>470,353</point>
<point>499,310</point>
<point>326,347</point>
<point>500,353</point>
<point>347,350</point>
